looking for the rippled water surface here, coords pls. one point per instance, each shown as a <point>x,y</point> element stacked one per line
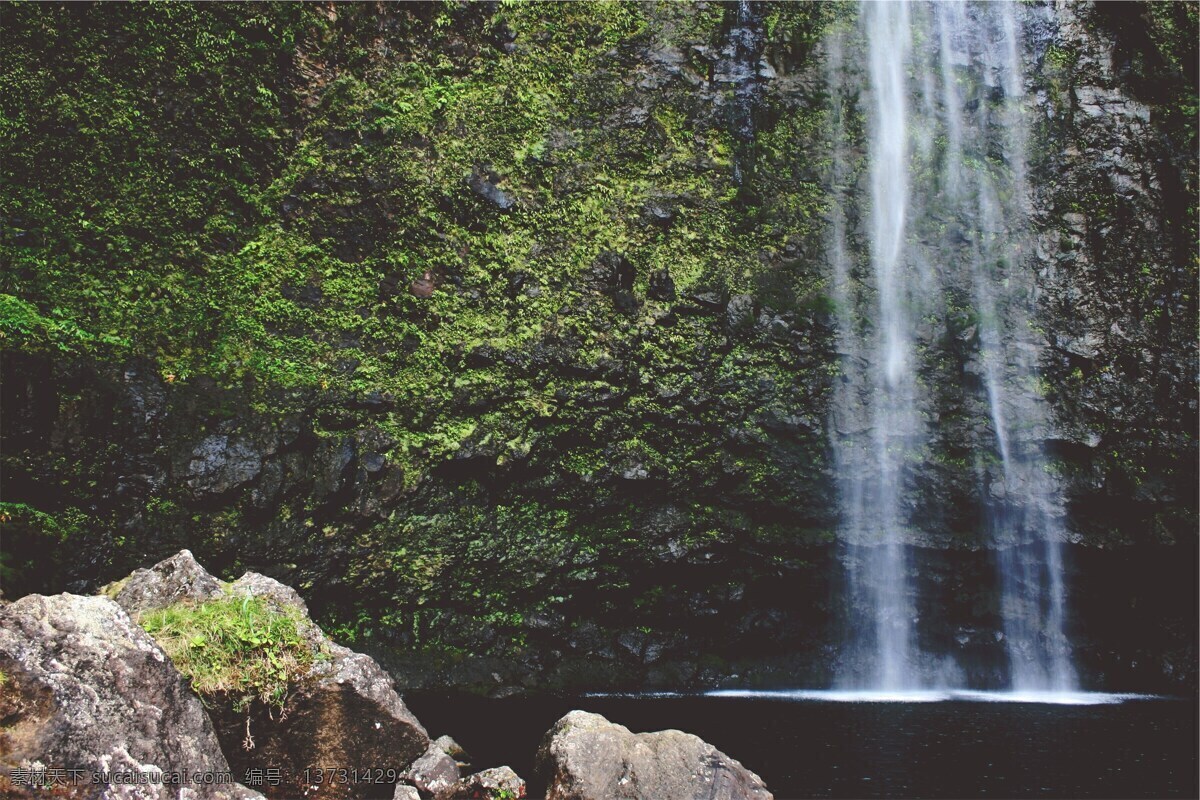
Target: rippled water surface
<point>813,744</point>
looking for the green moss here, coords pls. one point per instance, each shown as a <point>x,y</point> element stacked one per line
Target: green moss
<point>243,196</point>
<point>111,590</point>
<point>236,649</point>
<point>1060,58</point>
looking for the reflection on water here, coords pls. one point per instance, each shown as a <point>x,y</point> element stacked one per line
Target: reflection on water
<point>933,696</point>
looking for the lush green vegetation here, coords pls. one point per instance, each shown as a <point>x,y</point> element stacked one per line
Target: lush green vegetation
<point>177,190</point>
<point>236,649</point>
<point>246,193</point>
<point>218,224</point>
<point>243,196</point>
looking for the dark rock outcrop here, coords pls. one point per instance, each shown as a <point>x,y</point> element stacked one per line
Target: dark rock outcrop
<point>87,689</point>
<point>740,312</point>
<point>484,183</point>
<point>1113,193</point>
<point>662,286</point>
<point>219,464</point>
<point>586,757</point>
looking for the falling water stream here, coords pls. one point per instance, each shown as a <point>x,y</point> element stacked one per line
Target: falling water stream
<point>945,237</point>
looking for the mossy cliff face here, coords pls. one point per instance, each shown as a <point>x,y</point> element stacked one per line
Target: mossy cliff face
<point>500,331</point>
<point>1115,206</point>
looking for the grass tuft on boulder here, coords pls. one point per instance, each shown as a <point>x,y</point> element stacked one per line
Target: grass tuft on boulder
<point>240,648</point>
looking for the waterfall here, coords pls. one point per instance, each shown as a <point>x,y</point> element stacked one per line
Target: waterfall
<point>738,68</point>
<point>878,421</point>
<point>945,246</point>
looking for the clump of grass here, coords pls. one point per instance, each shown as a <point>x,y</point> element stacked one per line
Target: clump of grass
<point>240,648</point>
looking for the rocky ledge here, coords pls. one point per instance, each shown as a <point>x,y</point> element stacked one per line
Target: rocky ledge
<point>95,706</point>
<point>162,688</point>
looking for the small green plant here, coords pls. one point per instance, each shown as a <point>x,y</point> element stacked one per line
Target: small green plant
<point>239,648</point>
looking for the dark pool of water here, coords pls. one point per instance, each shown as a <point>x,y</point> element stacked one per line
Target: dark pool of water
<point>812,748</point>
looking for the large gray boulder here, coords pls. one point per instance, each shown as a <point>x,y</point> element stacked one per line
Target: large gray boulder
<point>586,757</point>
<point>344,712</point>
<point>86,689</point>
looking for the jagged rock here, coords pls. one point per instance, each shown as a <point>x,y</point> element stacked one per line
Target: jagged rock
<point>254,584</point>
<point>586,757</point>
<point>331,462</point>
<point>434,773</point>
<point>219,465</point>
<point>635,472</point>
<point>659,211</point>
<point>495,782</point>
<point>483,183</point>
<point>177,578</point>
<point>625,303</point>
<point>740,312</point>
<point>452,749</point>
<point>612,272</point>
<point>406,792</point>
<point>87,689</point>
<point>1086,346</point>
<point>709,301</point>
<point>662,287</point>
<point>345,711</point>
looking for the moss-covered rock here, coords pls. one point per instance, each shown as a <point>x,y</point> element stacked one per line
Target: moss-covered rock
<point>281,695</point>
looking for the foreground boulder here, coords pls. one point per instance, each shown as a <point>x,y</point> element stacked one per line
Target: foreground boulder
<point>586,757</point>
<point>84,690</point>
<point>498,783</point>
<point>341,712</point>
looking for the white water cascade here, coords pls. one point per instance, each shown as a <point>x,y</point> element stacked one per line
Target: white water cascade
<point>938,250</point>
